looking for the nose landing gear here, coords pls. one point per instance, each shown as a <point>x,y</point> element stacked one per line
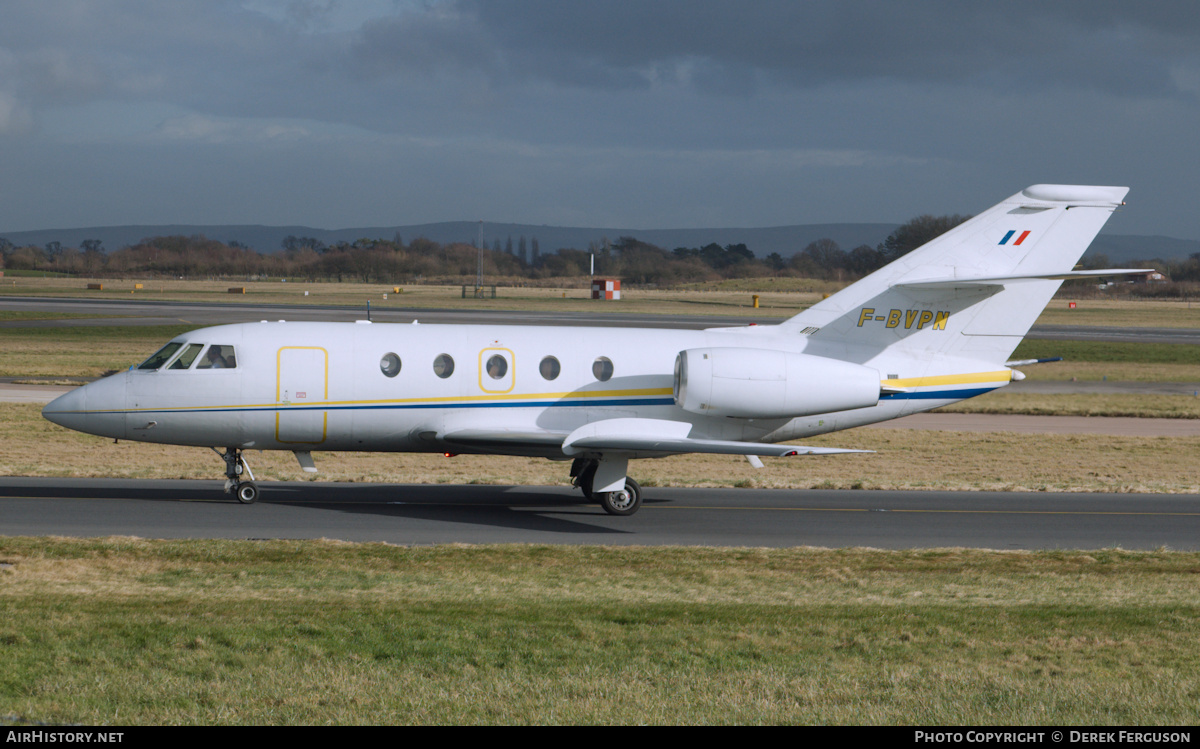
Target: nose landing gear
<point>235,464</point>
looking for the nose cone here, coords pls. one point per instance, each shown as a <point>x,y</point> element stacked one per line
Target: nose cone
<point>95,408</point>
<point>65,410</point>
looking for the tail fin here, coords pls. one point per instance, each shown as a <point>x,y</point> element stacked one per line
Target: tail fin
<point>971,293</point>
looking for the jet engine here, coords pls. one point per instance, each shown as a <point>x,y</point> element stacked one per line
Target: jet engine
<point>762,384</point>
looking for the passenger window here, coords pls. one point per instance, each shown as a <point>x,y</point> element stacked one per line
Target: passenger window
<point>187,357</point>
<point>602,368</point>
<point>549,368</point>
<point>390,365</point>
<point>218,357</point>
<point>443,365</point>
<point>497,367</point>
<point>161,356</point>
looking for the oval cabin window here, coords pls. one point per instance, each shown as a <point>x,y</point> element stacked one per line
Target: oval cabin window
<point>602,368</point>
<point>390,365</point>
<point>497,367</point>
<point>443,365</point>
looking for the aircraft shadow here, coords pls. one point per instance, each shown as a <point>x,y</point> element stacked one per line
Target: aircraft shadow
<point>557,510</point>
<point>540,509</point>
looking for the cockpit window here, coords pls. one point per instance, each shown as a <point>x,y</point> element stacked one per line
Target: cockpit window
<point>184,360</point>
<point>161,356</point>
<point>218,357</point>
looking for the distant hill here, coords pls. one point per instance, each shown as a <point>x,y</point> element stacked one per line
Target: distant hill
<point>786,240</point>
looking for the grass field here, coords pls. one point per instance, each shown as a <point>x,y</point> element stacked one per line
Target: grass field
<point>79,351</point>
<point>1098,360</point>
<point>130,631</point>
<point>1140,313</point>
<point>18,315</point>
<point>1148,406</point>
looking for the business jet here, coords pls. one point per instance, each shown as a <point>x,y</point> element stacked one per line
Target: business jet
<point>934,327</point>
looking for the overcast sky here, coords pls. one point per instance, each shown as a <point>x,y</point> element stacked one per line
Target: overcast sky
<point>640,114</point>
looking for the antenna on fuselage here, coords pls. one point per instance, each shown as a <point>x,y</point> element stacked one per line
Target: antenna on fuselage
<point>479,262</point>
<point>368,310</point>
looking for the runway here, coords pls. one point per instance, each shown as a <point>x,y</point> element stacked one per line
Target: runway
<point>422,514</point>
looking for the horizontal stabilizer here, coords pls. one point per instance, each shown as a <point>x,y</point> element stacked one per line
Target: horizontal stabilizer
<point>669,438</point>
<point>1026,362</point>
<point>958,283</point>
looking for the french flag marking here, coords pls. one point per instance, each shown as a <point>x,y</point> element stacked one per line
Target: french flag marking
<point>1020,239</point>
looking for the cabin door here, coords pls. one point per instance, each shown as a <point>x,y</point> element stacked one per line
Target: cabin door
<point>497,370</point>
<point>301,392</point>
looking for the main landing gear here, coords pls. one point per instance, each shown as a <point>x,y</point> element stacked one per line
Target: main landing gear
<point>235,464</point>
<point>624,501</point>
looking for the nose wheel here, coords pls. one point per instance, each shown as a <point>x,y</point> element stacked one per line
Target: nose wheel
<point>245,492</point>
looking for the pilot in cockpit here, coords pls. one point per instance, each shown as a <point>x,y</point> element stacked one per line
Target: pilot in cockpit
<point>215,360</point>
<point>218,357</point>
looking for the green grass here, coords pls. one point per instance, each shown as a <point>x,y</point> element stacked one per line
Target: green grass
<point>14,273</point>
<point>18,315</point>
<point>1099,351</point>
<point>129,631</point>
<point>1152,406</point>
<point>80,351</point>
<point>1096,360</point>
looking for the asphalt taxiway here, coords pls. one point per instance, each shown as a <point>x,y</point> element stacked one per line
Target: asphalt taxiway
<point>422,514</point>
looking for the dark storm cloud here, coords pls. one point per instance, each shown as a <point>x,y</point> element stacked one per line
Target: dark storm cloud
<point>1115,46</point>
<point>215,56</point>
<point>651,113</point>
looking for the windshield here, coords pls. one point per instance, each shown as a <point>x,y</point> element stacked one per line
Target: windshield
<point>161,356</point>
<point>218,357</point>
<point>187,357</point>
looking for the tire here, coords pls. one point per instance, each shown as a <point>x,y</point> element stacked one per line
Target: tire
<point>625,502</point>
<point>247,492</point>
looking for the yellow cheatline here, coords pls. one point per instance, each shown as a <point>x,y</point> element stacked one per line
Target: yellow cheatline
<point>956,379</point>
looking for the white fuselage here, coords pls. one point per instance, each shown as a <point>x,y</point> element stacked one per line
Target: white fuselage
<point>325,386</point>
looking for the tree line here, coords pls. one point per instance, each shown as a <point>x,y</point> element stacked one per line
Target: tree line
<point>393,261</point>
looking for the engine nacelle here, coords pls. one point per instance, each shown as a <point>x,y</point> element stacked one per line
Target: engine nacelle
<point>762,384</point>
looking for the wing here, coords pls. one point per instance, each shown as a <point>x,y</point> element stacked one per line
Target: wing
<point>650,437</point>
<point>507,441</point>
<point>637,437</point>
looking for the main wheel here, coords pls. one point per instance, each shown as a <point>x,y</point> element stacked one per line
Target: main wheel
<point>623,502</point>
<point>247,492</point>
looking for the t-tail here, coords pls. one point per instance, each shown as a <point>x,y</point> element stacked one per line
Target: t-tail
<point>958,305</point>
